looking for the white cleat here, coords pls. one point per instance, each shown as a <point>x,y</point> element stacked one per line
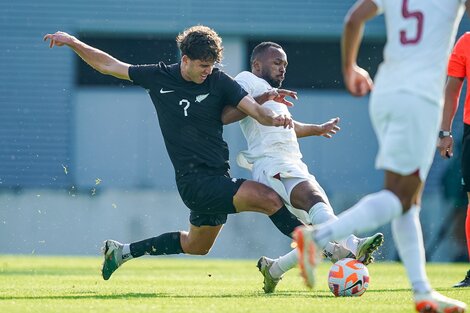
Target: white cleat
<point>434,302</point>
<point>307,252</point>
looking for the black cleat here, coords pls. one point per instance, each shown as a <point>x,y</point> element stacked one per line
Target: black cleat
<point>465,282</point>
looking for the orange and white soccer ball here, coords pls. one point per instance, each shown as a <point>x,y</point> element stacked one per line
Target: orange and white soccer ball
<point>348,278</point>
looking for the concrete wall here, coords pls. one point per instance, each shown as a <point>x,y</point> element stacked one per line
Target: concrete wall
<point>46,222</point>
<point>76,223</point>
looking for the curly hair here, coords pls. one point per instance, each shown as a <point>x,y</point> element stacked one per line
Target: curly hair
<point>200,43</point>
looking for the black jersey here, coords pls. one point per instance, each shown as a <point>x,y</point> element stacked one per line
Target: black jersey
<point>190,113</point>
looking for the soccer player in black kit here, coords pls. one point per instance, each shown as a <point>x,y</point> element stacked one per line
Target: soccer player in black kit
<point>189,97</point>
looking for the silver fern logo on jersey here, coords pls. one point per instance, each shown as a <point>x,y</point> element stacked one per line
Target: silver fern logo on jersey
<point>201,98</point>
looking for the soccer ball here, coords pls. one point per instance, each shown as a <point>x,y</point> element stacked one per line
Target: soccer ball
<point>348,278</point>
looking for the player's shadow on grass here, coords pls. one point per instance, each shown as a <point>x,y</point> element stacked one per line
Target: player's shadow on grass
<point>389,290</point>
<point>82,296</point>
<point>166,295</point>
<point>296,294</point>
<point>133,295</point>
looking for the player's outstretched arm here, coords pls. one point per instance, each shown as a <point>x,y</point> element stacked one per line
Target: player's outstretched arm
<point>451,104</point>
<point>356,79</point>
<point>263,115</point>
<point>327,129</point>
<point>99,60</point>
<point>231,114</point>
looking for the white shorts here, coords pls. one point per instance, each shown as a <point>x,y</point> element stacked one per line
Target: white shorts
<point>406,126</point>
<point>290,173</point>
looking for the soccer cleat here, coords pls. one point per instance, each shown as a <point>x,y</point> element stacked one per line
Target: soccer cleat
<point>434,302</point>
<point>112,251</point>
<point>307,253</point>
<point>270,283</point>
<point>335,252</point>
<point>465,282</point>
<point>367,246</point>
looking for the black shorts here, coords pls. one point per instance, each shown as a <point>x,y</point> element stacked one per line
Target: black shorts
<point>208,193</point>
<point>466,158</point>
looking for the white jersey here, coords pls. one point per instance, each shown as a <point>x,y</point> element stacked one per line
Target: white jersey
<point>273,153</point>
<point>420,35</point>
<point>266,141</point>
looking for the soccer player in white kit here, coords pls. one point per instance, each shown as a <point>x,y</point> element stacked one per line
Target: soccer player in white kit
<point>405,109</point>
<point>276,161</point>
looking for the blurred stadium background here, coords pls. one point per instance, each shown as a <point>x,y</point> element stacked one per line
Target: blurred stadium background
<point>81,155</point>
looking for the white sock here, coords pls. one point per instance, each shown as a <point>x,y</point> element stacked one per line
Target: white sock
<point>350,243</point>
<point>283,264</point>
<point>126,253</point>
<point>321,213</point>
<point>408,238</point>
<point>368,214</point>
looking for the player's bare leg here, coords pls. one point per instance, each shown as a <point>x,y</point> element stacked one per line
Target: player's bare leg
<point>256,197</point>
<point>200,239</point>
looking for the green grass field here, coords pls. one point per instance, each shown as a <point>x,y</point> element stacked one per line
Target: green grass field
<point>74,284</point>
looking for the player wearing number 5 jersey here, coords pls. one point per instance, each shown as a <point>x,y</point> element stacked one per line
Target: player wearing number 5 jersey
<point>405,109</point>
<point>189,98</point>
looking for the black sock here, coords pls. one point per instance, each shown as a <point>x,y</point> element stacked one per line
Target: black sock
<point>285,221</point>
<point>168,243</point>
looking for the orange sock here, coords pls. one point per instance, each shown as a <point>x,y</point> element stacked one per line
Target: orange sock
<point>467,230</point>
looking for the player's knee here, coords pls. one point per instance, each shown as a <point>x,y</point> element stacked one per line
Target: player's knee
<point>406,204</point>
<point>306,201</point>
<point>405,198</point>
